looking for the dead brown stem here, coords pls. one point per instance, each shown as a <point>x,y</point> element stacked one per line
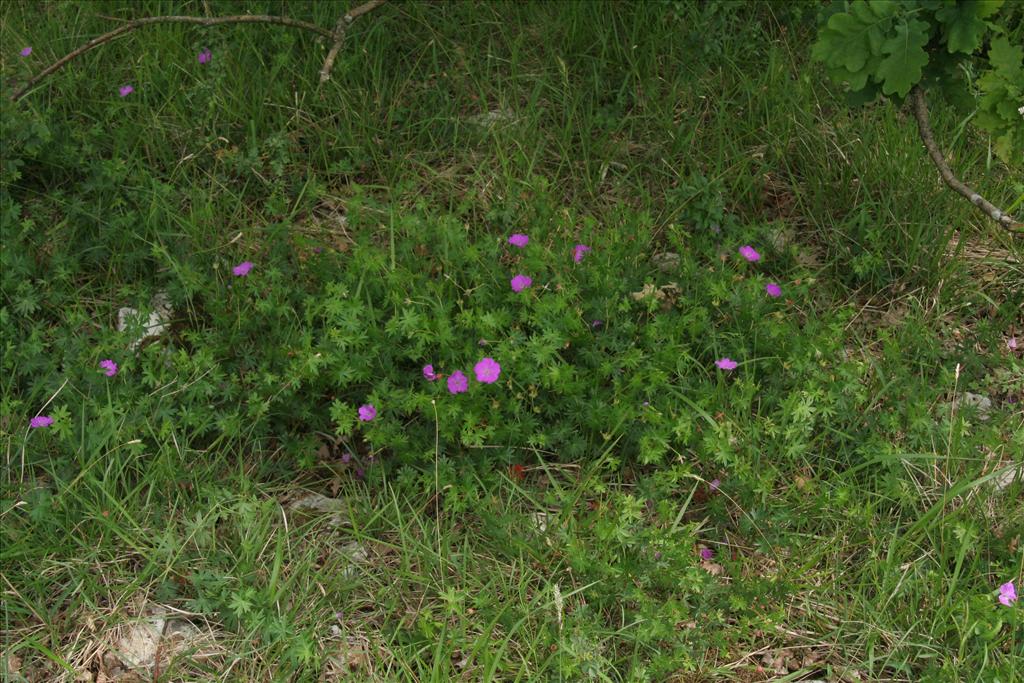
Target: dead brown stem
<point>920,106</point>
<point>139,23</point>
<point>344,21</point>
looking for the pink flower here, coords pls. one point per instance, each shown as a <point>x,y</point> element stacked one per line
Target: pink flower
<point>726,363</point>
<point>40,421</point>
<point>521,282</point>
<point>487,371</point>
<point>109,366</point>
<point>578,251</point>
<point>596,324</point>
<point>367,412</point>
<point>748,252</point>
<point>706,553</point>
<point>1007,594</point>
<point>26,51</point>
<point>205,55</point>
<point>518,240</point>
<point>715,483</point>
<point>458,382</point>
<point>773,290</point>
<point>126,90</point>
<point>428,372</point>
<point>242,269</point>
<point>1011,343</point>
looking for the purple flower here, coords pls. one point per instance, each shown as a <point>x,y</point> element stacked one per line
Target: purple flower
<point>578,251</point>
<point>1011,343</point>
<point>40,421</point>
<point>367,412</point>
<point>715,483</point>
<point>242,269</point>
<point>458,382</point>
<point>657,555</point>
<point>487,371</point>
<point>726,363</point>
<point>428,372</point>
<point>748,252</point>
<point>596,324</point>
<point>518,240</point>
<point>26,51</point>
<point>1007,594</point>
<point>205,55</point>
<point>346,457</point>
<point>773,290</point>
<point>706,553</point>
<point>126,90</point>
<point>109,366</point>
<point>521,282</point>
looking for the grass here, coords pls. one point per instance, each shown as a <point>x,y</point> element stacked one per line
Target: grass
<point>841,552</point>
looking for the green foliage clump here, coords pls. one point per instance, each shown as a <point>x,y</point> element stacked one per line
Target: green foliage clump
<point>884,47</point>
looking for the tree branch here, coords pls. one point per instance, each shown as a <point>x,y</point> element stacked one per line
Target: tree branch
<point>344,21</point>
<point>920,106</point>
<point>139,23</point>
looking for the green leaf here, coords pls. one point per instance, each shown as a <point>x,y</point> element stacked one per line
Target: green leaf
<point>901,69</point>
<point>1007,59</point>
<point>964,23</point>
<point>849,39</point>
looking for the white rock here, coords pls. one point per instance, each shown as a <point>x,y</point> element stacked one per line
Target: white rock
<point>158,322</point>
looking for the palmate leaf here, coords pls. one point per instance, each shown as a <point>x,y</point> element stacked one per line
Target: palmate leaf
<point>964,23</point>
<point>905,58</point>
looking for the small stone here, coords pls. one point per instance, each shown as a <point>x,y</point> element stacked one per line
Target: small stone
<point>983,404</point>
<point>666,262</point>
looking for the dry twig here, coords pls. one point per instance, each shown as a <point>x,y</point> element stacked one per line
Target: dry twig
<point>139,23</point>
<point>344,21</point>
<point>920,106</point>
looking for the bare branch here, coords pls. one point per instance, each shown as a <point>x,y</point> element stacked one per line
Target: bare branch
<point>139,23</point>
<point>921,114</point>
<point>344,21</point>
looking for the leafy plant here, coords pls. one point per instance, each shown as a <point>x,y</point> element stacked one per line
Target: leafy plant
<point>890,48</point>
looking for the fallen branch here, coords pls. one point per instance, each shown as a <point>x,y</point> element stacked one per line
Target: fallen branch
<point>139,23</point>
<point>921,114</point>
<point>344,21</point>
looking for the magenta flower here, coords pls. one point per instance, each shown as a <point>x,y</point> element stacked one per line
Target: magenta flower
<point>458,382</point>
<point>109,367</point>
<point>521,282</point>
<point>242,269</point>
<point>748,252</point>
<point>126,90</point>
<point>1007,594</point>
<point>518,240</point>
<point>726,363</point>
<point>40,421</point>
<point>578,251</point>
<point>773,290</point>
<point>428,372</point>
<point>367,412</point>
<point>205,55</point>
<point>1011,343</point>
<point>26,51</point>
<point>715,483</point>
<point>487,371</point>
<point>706,553</point>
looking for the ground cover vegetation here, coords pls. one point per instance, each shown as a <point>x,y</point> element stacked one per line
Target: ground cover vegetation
<point>543,341</point>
